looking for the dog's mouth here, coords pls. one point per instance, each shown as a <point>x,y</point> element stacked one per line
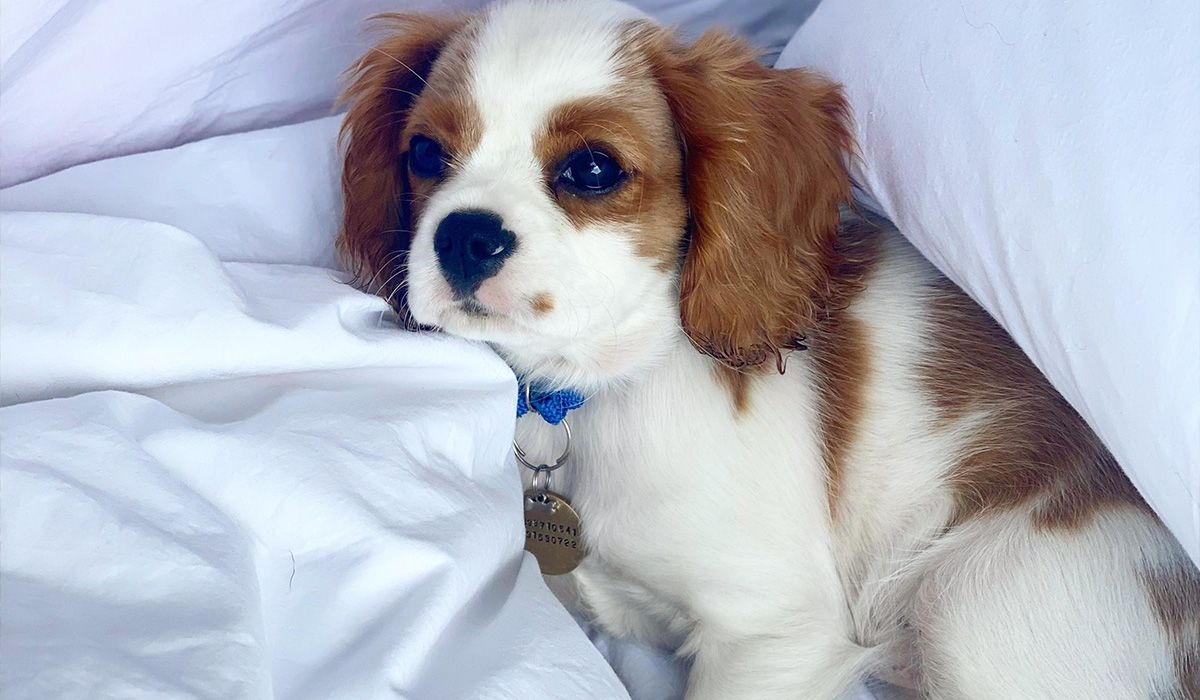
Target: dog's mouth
<point>471,318</point>
<point>475,320</point>
<point>471,307</point>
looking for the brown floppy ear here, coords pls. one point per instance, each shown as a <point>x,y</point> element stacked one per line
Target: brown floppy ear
<point>384,83</point>
<point>765,171</point>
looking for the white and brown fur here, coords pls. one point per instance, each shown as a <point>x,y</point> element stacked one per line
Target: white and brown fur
<point>909,498</point>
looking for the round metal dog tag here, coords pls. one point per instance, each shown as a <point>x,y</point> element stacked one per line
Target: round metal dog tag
<point>552,532</point>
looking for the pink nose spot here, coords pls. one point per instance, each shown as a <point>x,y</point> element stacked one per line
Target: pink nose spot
<point>494,294</point>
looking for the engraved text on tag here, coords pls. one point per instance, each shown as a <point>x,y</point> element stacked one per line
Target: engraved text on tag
<point>552,532</point>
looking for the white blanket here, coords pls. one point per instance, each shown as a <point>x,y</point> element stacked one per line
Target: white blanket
<point>233,480</point>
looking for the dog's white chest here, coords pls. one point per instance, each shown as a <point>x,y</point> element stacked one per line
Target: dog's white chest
<point>682,498</point>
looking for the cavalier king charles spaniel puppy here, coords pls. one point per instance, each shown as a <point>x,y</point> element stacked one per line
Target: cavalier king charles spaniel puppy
<point>804,455</point>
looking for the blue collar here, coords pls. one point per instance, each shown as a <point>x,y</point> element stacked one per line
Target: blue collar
<point>552,406</point>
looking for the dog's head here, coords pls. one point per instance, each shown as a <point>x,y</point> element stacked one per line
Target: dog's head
<point>574,185</point>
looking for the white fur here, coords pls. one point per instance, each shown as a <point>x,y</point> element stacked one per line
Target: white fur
<point>708,531</point>
<point>1010,613</point>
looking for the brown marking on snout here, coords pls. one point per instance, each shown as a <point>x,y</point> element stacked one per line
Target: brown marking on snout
<point>542,303</point>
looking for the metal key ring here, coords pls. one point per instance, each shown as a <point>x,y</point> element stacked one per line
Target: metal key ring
<point>523,458</point>
<point>545,486</point>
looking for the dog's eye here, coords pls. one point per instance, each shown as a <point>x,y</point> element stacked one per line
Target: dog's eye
<point>426,157</point>
<point>591,172</point>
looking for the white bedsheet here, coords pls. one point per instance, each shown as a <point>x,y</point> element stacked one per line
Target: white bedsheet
<point>230,480</point>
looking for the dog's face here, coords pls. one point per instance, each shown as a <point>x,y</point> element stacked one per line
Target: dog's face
<point>569,183</point>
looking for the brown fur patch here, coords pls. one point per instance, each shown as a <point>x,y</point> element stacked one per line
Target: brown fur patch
<point>447,111</point>
<point>737,383</point>
<point>1031,443</point>
<point>840,354</point>
<point>633,127</point>
<point>764,172</point>
<point>1174,592</point>
<point>377,195</point>
<point>542,303</point>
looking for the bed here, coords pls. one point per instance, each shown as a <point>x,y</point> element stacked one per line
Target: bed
<point>225,473</point>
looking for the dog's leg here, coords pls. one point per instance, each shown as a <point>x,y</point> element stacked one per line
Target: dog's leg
<point>1012,611</point>
<point>806,661</point>
<point>625,609</point>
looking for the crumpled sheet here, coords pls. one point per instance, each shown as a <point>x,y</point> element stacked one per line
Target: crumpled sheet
<point>238,480</point>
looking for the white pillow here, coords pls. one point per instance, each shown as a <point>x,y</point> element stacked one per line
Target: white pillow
<point>1046,156</point>
<point>85,81</point>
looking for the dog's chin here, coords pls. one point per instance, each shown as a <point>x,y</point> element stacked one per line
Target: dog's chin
<point>515,342</point>
<point>470,319</point>
<point>466,319</point>
<point>538,350</point>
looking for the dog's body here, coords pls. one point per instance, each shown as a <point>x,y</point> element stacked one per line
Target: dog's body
<point>698,539</point>
<point>909,498</point>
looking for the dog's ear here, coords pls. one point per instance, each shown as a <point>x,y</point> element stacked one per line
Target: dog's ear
<point>383,84</point>
<point>765,171</point>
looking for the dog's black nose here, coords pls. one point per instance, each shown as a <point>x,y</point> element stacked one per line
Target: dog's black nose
<point>471,246</point>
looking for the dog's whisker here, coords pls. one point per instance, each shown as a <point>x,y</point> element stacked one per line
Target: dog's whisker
<point>382,266</point>
<point>406,67</point>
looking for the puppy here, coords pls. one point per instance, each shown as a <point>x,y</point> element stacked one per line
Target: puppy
<point>804,454</point>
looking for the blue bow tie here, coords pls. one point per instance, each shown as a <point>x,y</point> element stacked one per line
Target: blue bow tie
<point>552,406</point>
